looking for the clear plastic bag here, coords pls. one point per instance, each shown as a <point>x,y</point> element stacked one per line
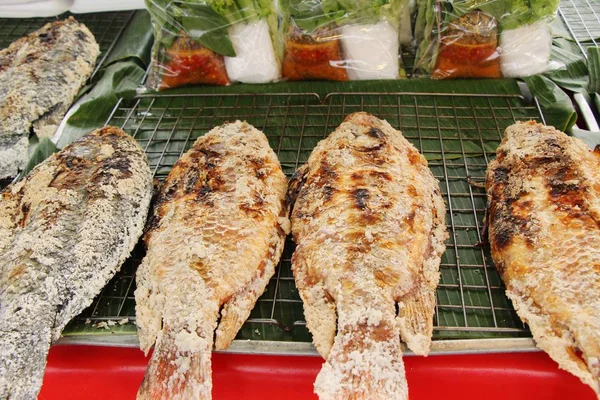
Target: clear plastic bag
<point>484,39</point>
<point>214,42</point>
<point>342,40</point>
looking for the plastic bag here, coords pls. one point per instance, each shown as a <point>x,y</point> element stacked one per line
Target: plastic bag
<point>33,8</point>
<point>341,40</point>
<point>214,42</point>
<point>484,39</point>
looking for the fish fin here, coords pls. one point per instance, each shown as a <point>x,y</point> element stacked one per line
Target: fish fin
<point>180,367</point>
<point>319,307</point>
<point>295,184</point>
<point>149,306</point>
<point>415,318</point>
<point>365,362</point>
<point>557,341</point>
<point>238,308</point>
<point>25,338</point>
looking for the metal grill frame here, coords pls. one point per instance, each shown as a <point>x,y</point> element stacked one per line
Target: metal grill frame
<point>582,19</point>
<point>153,118</point>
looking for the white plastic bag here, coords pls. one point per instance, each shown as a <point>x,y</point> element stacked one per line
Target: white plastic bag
<point>525,50</point>
<point>255,60</point>
<point>371,51</point>
<point>93,6</point>
<point>29,9</point>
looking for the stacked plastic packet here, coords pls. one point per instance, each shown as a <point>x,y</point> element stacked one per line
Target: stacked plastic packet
<point>33,8</point>
<point>344,40</point>
<point>258,41</point>
<point>93,6</point>
<point>484,39</point>
<point>213,42</point>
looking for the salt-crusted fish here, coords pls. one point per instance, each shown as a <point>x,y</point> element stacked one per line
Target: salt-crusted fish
<point>544,229</point>
<point>369,225</point>
<point>64,232</point>
<point>213,243</point>
<point>40,75</point>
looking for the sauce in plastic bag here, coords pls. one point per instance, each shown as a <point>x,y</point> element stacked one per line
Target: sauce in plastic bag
<point>469,48</point>
<point>187,62</point>
<point>313,56</point>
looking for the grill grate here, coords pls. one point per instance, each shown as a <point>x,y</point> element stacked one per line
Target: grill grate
<point>106,27</point>
<point>582,18</point>
<point>457,133</point>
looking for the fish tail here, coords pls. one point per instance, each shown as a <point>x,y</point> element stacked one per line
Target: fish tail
<point>180,367</point>
<point>365,362</point>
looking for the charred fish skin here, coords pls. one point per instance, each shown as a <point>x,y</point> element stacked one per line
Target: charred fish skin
<point>369,226</point>
<point>213,242</point>
<point>40,76</point>
<point>543,194</point>
<point>65,230</point>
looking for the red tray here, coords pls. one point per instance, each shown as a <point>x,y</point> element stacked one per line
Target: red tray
<point>87,372</point>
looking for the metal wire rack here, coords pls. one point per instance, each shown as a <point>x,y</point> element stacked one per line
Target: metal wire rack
<point>457,133</point>
<point>107,27</point>
<point>582,18</point>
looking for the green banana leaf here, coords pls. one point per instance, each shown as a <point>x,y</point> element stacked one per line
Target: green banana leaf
<point>556,104</point>
<point>135,42</point>
<point>594,68</point>
<point>39,150</point>
<point>119,80</point>
<point>573,75</point>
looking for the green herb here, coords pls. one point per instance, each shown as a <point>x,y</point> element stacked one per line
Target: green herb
<point>312,14</point>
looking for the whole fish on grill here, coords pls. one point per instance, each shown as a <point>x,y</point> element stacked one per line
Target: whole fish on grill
<point>543,194</point>
<point>64,232</point>
<point>369,225</point>
<point>213,242</point>
<point>40,76</point>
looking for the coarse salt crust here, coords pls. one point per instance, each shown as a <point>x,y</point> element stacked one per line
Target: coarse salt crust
<point>65,230</point>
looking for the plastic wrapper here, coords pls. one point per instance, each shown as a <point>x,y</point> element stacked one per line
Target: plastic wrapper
<point>484,39</point>
<point>33,8</point>
<point>342,40</point>
<point>94,6</point>
<point>213,42</point>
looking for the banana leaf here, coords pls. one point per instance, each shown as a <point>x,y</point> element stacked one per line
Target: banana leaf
<point>135,43</point>
<point>39,150</point>
<point>594,68</point>
<point>556,104</point>
<point>119,80</point>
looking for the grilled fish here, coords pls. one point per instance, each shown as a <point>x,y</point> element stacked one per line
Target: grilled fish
<point>40,75</point>
<point>64,232</point>
<point>213,242</point>
<point>543,194</point>
<point>369,224</point>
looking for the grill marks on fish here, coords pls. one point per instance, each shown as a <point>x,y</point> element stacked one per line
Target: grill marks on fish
<point>40,75</point>
<point>64,231</point>
<point>544,204</point>
<point>216,235</point>
<point>368,222</point>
